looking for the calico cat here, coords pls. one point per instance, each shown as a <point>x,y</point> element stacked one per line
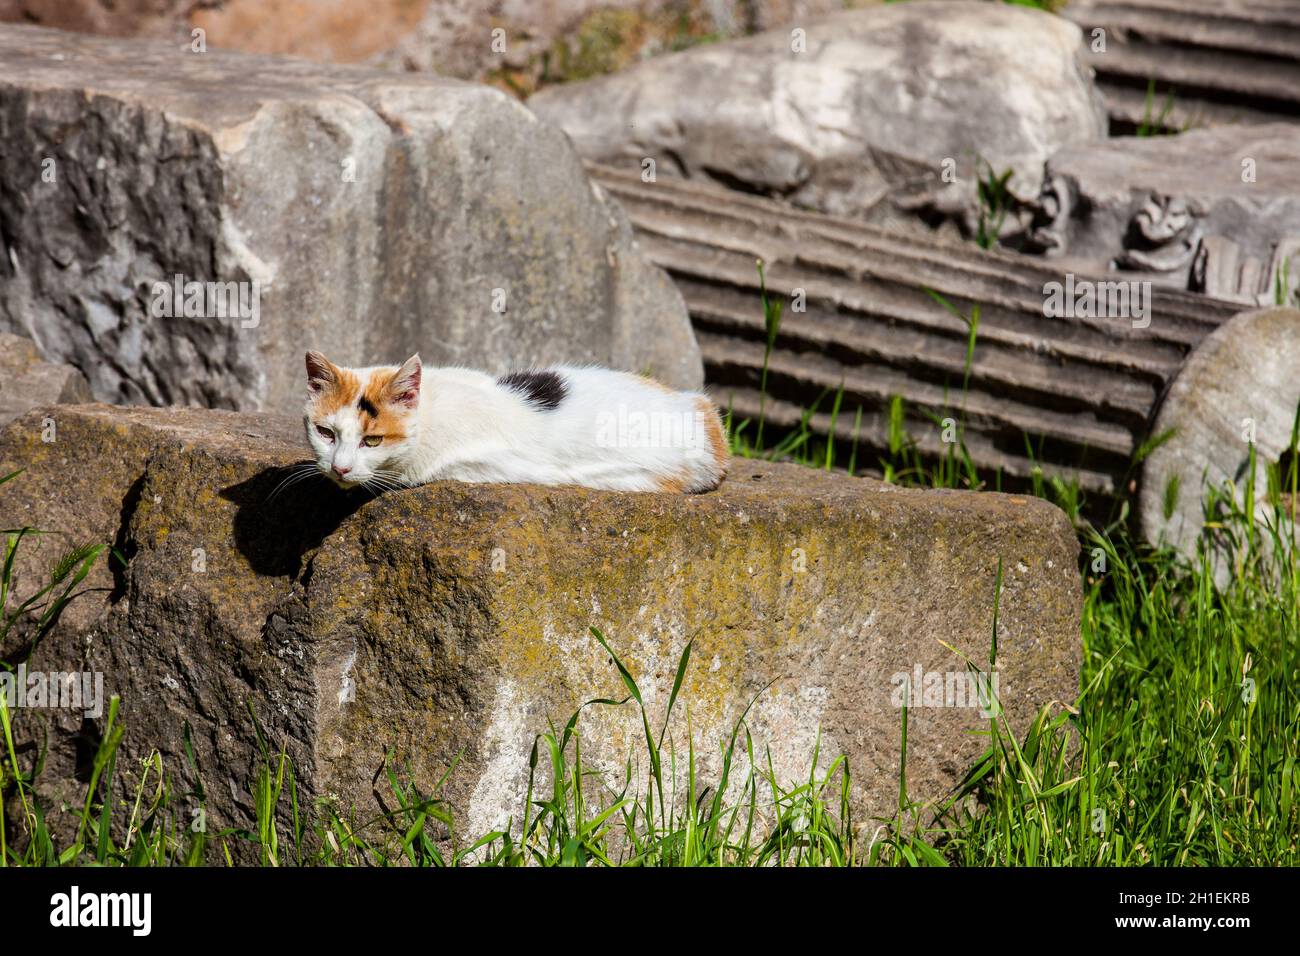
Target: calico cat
<point>397,426</point>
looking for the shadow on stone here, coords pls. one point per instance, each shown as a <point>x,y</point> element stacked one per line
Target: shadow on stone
<point>123,549</point>
<point>280,516</point>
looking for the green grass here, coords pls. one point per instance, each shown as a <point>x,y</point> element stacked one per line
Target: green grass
<point>1158,121</point>
<point>995,202</point>
<point>1283,294</point>
<point>1181,748</point>
<point>1155,122</point>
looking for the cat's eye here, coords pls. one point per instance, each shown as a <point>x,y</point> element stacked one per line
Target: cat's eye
<point>324,433</point>
<point>370,441</point>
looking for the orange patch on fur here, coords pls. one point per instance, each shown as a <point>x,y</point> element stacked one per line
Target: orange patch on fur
<point>378,395</point>
<point>670,486</point>
<point>343,390</point>
<point>713,429</point>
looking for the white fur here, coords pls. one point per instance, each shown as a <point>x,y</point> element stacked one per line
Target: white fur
<point>612,430</point>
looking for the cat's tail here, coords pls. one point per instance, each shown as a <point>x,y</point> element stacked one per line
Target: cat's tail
<point>711,456</point>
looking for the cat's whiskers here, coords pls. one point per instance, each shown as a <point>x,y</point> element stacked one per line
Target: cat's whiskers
<point>297,472</point>
<point>383,480</point>
<point>387,476</point>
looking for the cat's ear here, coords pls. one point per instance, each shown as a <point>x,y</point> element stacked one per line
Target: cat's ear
<point>404,389</point>
<point>321,373</point>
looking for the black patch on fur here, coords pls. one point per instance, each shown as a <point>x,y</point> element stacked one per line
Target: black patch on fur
<point>543,388</point>
<point>363,403</point>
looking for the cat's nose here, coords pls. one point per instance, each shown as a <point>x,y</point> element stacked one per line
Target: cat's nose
<point>340,470</point>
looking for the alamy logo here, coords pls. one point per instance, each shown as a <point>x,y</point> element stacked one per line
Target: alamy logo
<point>208,300</point>
<point>73,690</point>
<point>1085,299</point>
<point>75,908</point>
<point>631,428</point>
<point>971,689</point>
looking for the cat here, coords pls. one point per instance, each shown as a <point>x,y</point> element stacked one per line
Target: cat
<point>398,426</point>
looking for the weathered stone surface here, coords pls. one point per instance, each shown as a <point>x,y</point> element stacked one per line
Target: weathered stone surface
<point>27,381</point>
<point>541,42</point>
<point>377,214</point>
<point>884,109</point>
<point>1242,384</point>
<point>1175,64</point>
<point>1077,389</point>
<point>454,618</point>
<point>564,40</point>
<point>116,18</point>
<point>1215,210</point>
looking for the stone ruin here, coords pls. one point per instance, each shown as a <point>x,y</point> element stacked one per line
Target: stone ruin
<point>350,638</point>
